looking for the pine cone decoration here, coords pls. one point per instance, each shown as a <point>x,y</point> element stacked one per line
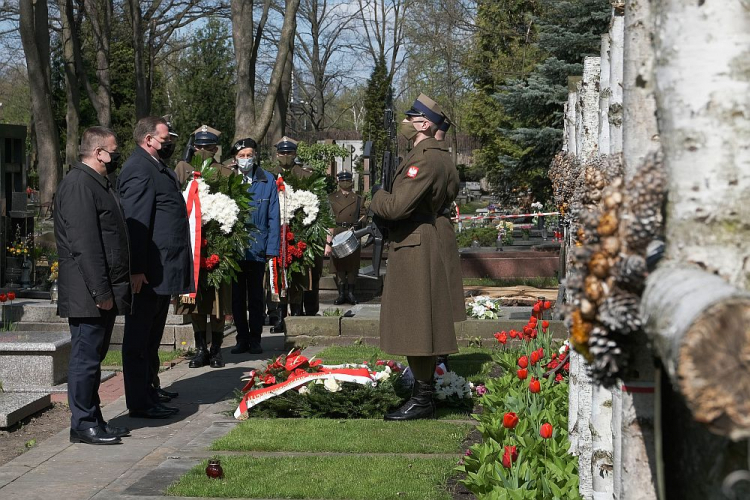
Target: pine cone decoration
<point>609,360</point>
<point>646,193</point>
<point>631,274</point>
<point>620,312</point>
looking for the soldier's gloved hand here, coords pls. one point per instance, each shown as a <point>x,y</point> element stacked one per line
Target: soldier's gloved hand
<point>375,188</point>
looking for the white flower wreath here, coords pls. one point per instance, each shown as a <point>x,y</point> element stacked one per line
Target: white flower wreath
<point>218,207</point>
<point>291,200</point>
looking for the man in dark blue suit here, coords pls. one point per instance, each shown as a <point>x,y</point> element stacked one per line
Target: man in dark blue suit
<point>160,259</point>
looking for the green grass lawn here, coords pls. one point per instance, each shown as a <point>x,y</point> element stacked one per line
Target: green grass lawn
<point>536,282</point>
<point>114,357</point>
<point>321,477</point>
<point>472,363</point>
<point>344,436</point>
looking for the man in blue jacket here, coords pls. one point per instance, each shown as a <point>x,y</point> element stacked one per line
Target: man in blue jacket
<point>247,291</point>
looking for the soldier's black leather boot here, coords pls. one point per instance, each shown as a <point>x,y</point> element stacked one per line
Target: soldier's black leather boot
<point>421,404</point>
<point>295,309</point>
<point>201,351</point>
<point>279,326</point>
<point>349,291</point>
<point>341,298</point>
<point>215,358</point>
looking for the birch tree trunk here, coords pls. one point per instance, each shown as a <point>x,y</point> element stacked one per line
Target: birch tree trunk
<point>604,92</point>
<point>570,116</point>
<point>33,26</point>
<point>616,42</point>
<point>637,460</point>
<point>702,91</point>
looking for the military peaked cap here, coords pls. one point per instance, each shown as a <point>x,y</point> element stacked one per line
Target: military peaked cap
<point>244,143</point>
<point>344,175</point>
<point>424,106</point>
<point>206,136</point>
<point>286,145</point>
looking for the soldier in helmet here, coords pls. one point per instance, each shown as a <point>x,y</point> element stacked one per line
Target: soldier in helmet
<point>205,146</point>
<point>348,211</point>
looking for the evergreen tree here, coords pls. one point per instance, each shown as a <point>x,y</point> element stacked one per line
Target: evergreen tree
<point>376,98</point>
<point>526,108</point>
<point>203,87</point>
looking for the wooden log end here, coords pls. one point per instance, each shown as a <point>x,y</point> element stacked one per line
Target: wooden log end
<point>713,368</point>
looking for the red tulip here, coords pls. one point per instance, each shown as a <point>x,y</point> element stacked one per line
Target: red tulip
<point>545,324</point>
<point>501,337</point>
<point>532,321</point>
<point>11,296</point>
<point>534,386</point>
<point>546,431</point>
<point>534,357</point>
<point>510,455</point>
<point>537,307</point>
<point>547,304</point>
<point>522,373</point>
<point>3,297</point>
<point>512,334</point>
<point>523,361</point>
<point>510,420</point>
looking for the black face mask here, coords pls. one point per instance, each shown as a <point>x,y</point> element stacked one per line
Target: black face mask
<point>113,163</point>
<point>166,151</point>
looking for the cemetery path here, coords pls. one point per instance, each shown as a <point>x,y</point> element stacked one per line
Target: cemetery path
<point>152,457</point>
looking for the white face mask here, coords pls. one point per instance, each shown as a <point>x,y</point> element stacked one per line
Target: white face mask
<point>245,164</point>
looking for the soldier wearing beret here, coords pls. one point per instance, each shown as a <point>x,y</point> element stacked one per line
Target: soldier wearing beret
<point>205,144</point>
<point>348,211</point>
<point>416,318</point>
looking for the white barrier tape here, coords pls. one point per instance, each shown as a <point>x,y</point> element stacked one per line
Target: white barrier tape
<point>492,217</point>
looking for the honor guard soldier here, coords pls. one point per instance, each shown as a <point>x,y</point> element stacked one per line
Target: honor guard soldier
<point>303,296</point>
<point>205,146</point>
<point>447,235</point>
<point>416,318</point>
<point>348,211</point>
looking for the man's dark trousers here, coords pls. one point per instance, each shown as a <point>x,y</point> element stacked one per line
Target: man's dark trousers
<point>247,297</point>
<point>89,342</point>
<point>143,332</point>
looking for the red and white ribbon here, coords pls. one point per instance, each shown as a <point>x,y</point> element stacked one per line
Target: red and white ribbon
<point>192,199</point>
<point>492,217</point>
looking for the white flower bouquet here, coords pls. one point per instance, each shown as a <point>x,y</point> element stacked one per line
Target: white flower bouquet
<point>483,307</point>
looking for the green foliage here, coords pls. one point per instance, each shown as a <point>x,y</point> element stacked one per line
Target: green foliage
<point>203,85</point>
<point>320,156</point>
<point>486,236</point>
<point>524,55</point>
<point>376,97</point>
<point>543,469</point>
<point>353,401</point>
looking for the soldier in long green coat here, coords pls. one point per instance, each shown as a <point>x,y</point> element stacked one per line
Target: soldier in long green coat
<point>416,317</point>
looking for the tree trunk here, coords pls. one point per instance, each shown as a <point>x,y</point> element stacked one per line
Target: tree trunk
<point>569,132</point>
<point>260,127</point>
<point>604,93</point>
<point>142,100</point>
<point>701,89</point>
<point>244,117</point>
<point>99,13</point>
<point>588,103</point>
<point>640,134</point>
<point>33,26</point>
<point>72,84</point>
<point>278,128</point>
<point>616,41</point>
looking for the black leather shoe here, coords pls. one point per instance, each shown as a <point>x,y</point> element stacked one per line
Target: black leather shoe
<point>171,409</point>
<point>278,327</point>
<point>93,435</point>
<point>216,360</point>
<point>240,348</point>
<point>116,431</point>
<point>153,412</point>
<point>162,398</point>
<point>164,392</point>
<point>255,349</point>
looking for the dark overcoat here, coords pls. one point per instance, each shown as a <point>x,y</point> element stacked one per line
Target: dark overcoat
<point>449,246</point>
<point>92,245</point>
<point>347,209</point>
<point>156,215</point>
<point>415,315</point>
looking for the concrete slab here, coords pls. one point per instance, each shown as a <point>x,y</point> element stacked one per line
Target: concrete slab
<point>314,326</point>
<point>42,311</point>
<point>15,406</point>
<point>33,359</point>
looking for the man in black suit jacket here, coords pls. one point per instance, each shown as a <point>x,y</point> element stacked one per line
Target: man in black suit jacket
<point>160,260</point>
<point>92,244</point>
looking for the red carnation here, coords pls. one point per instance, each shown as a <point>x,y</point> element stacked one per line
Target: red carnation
<point>558,377</point>
<point>302,245</point>
<point>510,455</point>
<point>204,243</point>
<point>510,420</point>
<point>203,263</point>
<point>566,367</point>
<point>289,236</point>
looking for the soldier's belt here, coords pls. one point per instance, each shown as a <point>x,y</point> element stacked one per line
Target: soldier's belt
<point>422,218</point>
<point>344,224</point>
